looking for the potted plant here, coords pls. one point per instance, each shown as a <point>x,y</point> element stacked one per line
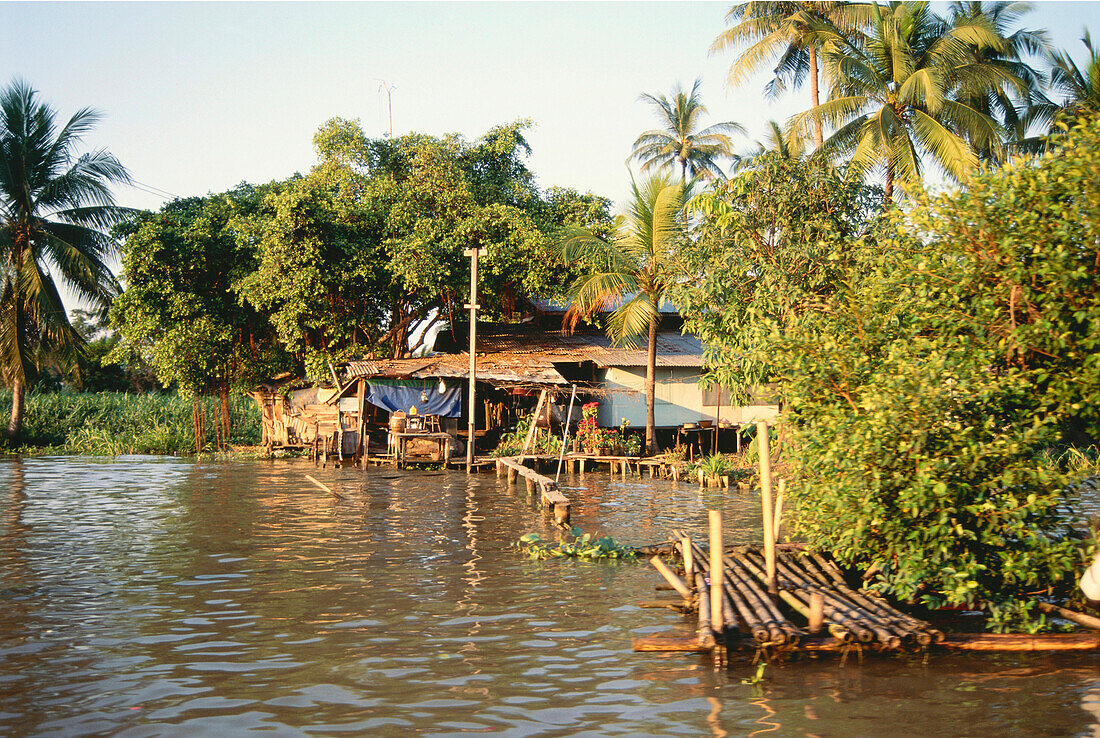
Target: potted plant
<point>588,431</point>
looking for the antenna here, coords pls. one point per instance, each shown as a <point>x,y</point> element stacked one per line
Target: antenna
<point>385,86</point>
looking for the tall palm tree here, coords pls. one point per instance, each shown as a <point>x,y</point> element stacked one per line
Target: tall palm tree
<point>788,33</point>
<point>54,209</point>
<point>894,96</point>
<point>1080,87</point>
<point>679,142</point>
<point>1010,88</point>
<point>634,267</point>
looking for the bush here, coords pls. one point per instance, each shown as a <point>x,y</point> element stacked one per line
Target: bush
<point>113,423</point>
<point>931,373</point>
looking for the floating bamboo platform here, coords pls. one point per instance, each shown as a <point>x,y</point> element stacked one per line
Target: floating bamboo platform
<point>808,607</point>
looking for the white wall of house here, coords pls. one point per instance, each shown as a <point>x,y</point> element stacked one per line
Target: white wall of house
<point>678,400</point>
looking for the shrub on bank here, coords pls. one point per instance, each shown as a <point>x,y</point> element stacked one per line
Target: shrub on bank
<point>931,376</point>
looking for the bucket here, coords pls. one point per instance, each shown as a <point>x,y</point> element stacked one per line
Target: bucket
<point>397,422</point>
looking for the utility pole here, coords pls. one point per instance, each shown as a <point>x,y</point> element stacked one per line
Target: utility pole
<point>473,306</point>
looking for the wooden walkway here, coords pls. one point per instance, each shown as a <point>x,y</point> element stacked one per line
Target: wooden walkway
<point>547,487</point>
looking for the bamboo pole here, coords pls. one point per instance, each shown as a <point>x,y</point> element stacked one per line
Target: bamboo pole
<point>326,488</point>
<point>689,562</point>
<point>778,509</point>
<point>565,432</point>
<point>802,606</point>
<point>816,616</point>
<point>534,426</point>
<point>705,634</point>
<point>715,518</point>
<point>764,451</point>
<point>921,631</point>
<point>677,583</point>
<point>1077,617</point>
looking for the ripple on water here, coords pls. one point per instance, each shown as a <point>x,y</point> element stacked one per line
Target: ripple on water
<point>145,596</point>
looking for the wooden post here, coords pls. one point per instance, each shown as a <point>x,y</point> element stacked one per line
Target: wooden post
<point>500,469</point>
<point>716,621</point>
<point>473,306</point>
<point>764,451</point>
<point>361,402</point>
<point>511,475</point>
<point>561,513</point>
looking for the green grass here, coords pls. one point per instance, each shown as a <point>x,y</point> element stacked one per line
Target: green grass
<point>114,423</point>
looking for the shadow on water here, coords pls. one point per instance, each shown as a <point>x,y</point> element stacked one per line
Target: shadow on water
<point>149,596</point>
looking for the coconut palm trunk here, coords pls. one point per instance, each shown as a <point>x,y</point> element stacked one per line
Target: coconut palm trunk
<point>18,407</point>
<point>651,388</point>
<point>815,95</point>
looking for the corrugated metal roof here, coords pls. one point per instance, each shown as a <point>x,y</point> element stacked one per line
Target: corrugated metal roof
<point>523,354</point>
<point>673,348</point>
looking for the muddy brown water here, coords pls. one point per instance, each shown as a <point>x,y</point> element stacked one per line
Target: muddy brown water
<point>149,596</point>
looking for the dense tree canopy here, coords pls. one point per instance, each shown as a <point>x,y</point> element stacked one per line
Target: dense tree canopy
<point>339,263</point>
<point>179,311</point>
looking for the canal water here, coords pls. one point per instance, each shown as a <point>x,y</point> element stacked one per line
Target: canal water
<point>150,596</point>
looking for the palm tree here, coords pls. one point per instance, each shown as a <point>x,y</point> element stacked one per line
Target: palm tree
<point>54,208</point>
<point>788,33</point>
<point>1010,89</point>
<point>633,267</point>
<point>1079,87</point>
<point>894,95</point>
<point>680,142</point>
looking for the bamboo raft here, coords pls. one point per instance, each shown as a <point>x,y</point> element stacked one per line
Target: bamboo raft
<point>736,610</point>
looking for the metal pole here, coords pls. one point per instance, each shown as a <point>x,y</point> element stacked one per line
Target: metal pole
<point>565,434</point>
<point>473,306</point>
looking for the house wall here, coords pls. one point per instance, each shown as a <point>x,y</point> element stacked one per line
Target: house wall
<point>678,400</point>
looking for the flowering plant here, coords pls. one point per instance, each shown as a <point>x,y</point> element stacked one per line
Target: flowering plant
<point>588,432</point>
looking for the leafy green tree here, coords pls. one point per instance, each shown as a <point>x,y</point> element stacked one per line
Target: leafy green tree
<point>680,142</point>
<point>930,373</point>
<point>894,99</point>
<point>635,266</point>
<point>54,208</point>
<point>773,242</point>
<point>179,311</point>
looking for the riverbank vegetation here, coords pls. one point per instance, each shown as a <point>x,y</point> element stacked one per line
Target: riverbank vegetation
<point>934,364</point>
<point>117,423</point>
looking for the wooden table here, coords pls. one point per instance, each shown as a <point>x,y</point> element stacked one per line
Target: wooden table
<point>402,439</point>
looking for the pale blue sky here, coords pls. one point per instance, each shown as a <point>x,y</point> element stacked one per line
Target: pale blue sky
<point>201,96</point>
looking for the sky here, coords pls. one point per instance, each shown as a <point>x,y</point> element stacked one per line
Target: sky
<point>200,96</point>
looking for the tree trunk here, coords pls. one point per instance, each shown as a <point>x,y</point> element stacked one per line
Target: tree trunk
<point>650,387</point>
<point>18,405</point>
<point>814,97</point>
<point>888,190</point>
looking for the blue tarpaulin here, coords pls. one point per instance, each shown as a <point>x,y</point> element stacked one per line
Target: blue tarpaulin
<point>397,394</point>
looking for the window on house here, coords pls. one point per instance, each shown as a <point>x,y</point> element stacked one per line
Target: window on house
<point>714,396</point>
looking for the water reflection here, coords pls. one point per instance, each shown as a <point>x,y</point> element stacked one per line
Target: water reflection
<point>153,596</point>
